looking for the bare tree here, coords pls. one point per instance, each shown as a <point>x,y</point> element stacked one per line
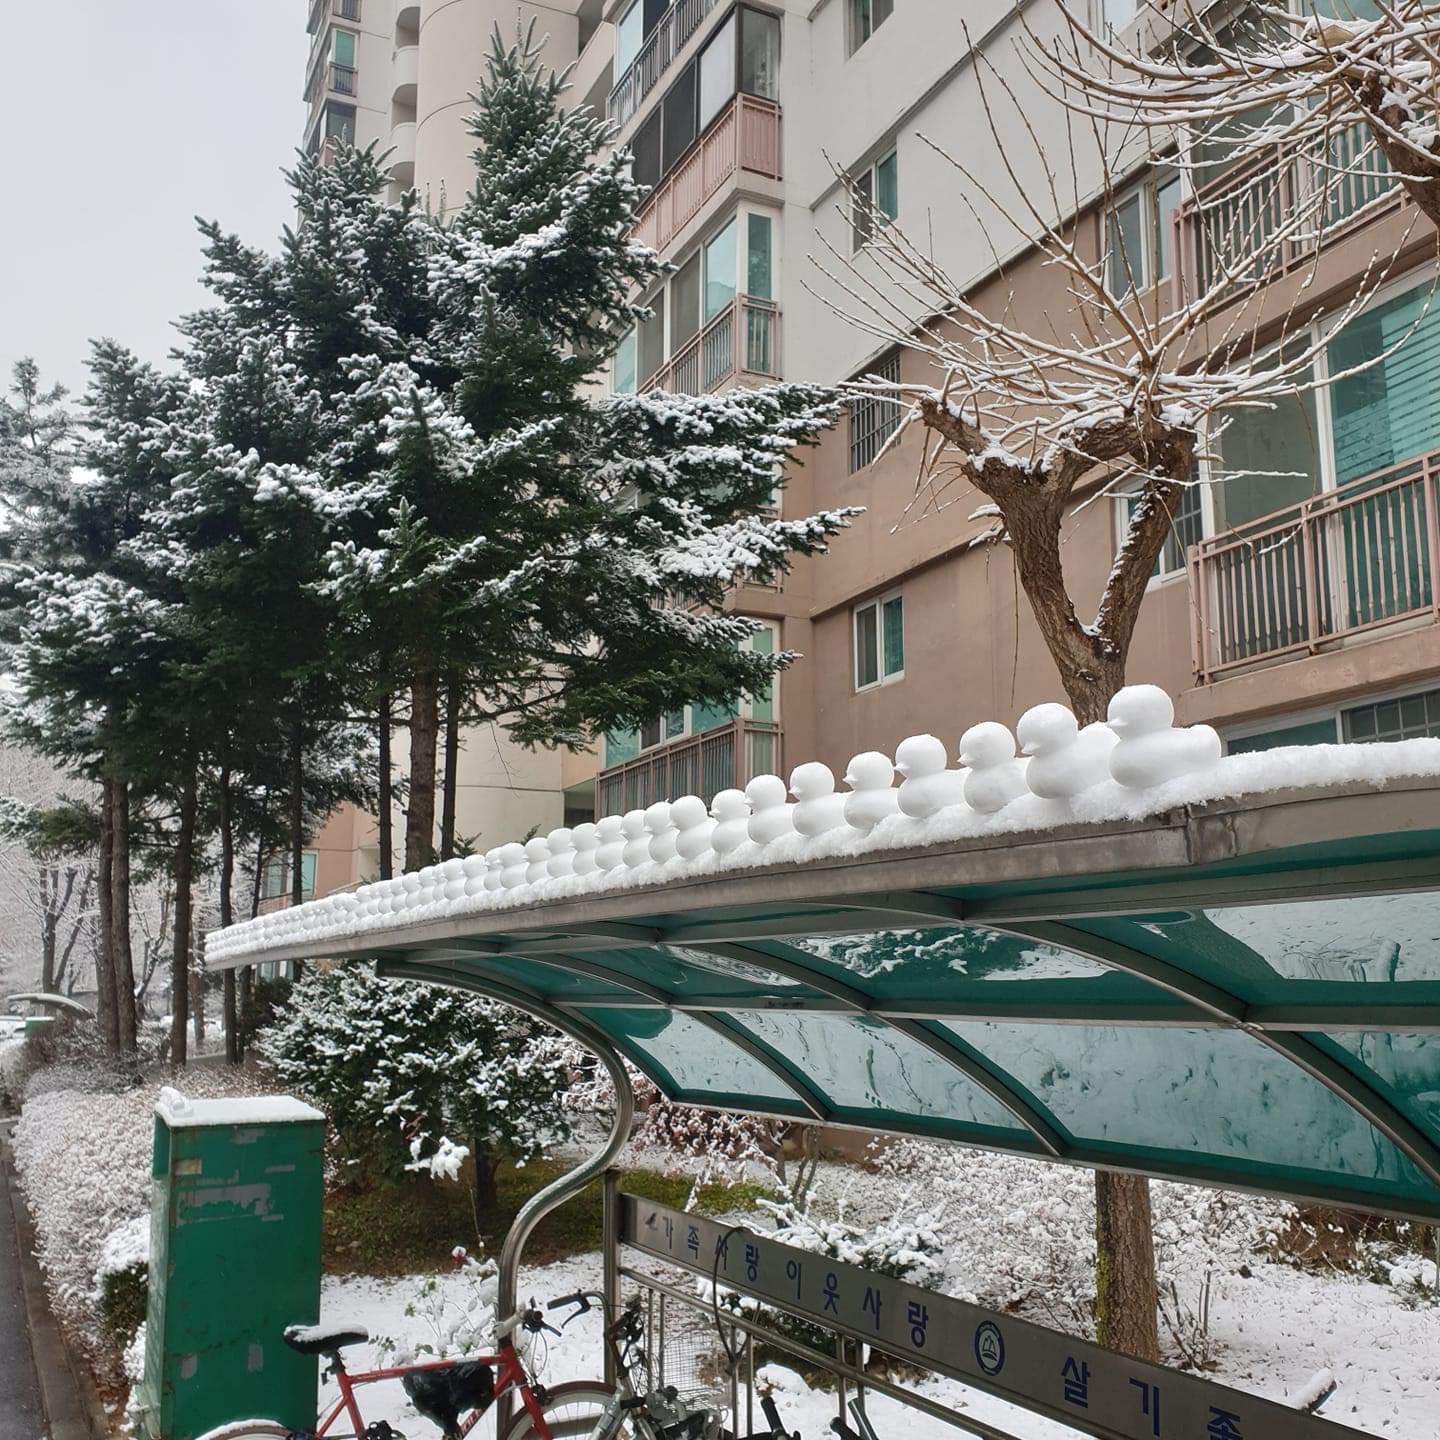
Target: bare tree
<point>1123,389</point>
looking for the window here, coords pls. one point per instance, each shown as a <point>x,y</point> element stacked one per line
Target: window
<point>1413,717</point>
<point>873,418</point>
<point>717,73</point>
<point>760,54</point>
<point>629,35</point>
<point>866,16</point>
<point>664,728</point>
<point>879,642</point>
<point>1187,527</point>
<point>759,273</point>
<point>678,109</point>
<point>348,9</point>
<point>272,880</point>
<point>652,339</point>
<point>1139,235</point>
<point>625,359</point>
<point>720,272</point>
<point>340,122</point>
<point>1311,732</point>
<point>1117,14</point>
<point>344,47</point>
<point>275,877</point>
<point>876,199</point>
<point>685,303</point>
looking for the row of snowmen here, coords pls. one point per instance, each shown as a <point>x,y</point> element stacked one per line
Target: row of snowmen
<point>1138,747</point>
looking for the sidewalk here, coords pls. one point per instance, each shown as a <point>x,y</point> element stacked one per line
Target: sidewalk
<point>43,1397</point>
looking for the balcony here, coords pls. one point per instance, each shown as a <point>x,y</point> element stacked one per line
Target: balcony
<point>1238,231</point>
<point>1348,562</point>
<point>344,9</point>
<point>742,341</point>
<point>342,78</point>
<point>402,153</point>
<point>405,68</point>
<point>656,55</point>
<point>723,759</point>
<point>745,136</point>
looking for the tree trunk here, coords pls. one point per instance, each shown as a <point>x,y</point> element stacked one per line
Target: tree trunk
<point>230,1015</point>
<point>180,964</point>
<point>484,1195</point>
<point>1126,1297</point>
<point>452,759</point>
<point>197,1001</point>
<point>424,735</point>
<point>104,955</point>
<point>49,925</point>
<point>124,962</point>
<point>387,795</point>
<point>297,819</point>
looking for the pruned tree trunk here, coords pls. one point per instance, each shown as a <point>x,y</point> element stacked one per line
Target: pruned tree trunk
<point>424,738</point>
<point>484,1192</point>
<point>452,759</point>
<point>180,964</point>
<point>104,954</point>
<point>386,817</point>
<point>230,1013</point>
<point>124,963</point>
<point>49,881</point>
<point>1127,1299</point>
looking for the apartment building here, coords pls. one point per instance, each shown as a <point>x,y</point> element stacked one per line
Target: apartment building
<point>1297,604</point>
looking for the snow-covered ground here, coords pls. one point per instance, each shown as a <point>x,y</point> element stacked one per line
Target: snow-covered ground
<point>1277,1328</point>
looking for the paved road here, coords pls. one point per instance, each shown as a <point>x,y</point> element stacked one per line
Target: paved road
<point>21,1417</point>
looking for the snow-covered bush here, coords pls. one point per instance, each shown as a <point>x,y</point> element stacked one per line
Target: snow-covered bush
<point>454,1315</point>
<point>121,1279</point>
<point>407,1073</point>
<point>14,1071</point>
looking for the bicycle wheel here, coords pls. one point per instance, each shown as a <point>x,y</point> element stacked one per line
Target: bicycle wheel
<point>571,1411</point>
<point>249,1430</point>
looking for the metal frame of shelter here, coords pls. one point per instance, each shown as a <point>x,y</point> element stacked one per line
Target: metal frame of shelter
<point>1244,993</point>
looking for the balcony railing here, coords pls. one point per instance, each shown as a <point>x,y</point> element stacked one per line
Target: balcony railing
<point>743,339</point>
<point>722,759</point>
<point>745,136</point>
<point>1349,561</point>
<point>342,78</point>
<point>656,55</point>
<point>345,9</point>
<point>1242,225</point>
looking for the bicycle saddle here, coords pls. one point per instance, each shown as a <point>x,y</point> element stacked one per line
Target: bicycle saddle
<point>323,1339</point>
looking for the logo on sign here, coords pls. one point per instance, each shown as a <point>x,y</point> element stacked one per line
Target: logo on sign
<point>990,1348</point>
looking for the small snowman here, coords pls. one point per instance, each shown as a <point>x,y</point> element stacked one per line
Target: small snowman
<point>1064,759</point>
<point>926,785</point>
<point>818,808</point>
<point>662,830</point>
<point>494,869</point>
<point>873,797</point>
<point>515,863</point>
<point>474,870</point>
<point>584,839</point>
<point>731,812</point>
<point>770,812</point>
<point>537,852</point>
<point>1150,751</point>
<point>996,777</point>
<point>693,827</point>
<point>562,852</point>
<point>637,839</point>
<point>610,844</point>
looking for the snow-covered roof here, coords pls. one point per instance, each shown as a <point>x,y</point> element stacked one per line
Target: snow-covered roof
<point>180,1112</point>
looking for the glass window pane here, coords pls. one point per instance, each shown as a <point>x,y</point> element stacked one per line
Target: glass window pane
<point>1404,1067</point>
<point>887,187</point>
<point>762,706</point>
<point>1167,202</point>
<point>308,864</point>
<point>720,262</point>
<point>1387,413</point>
<point>620,746</point>
<point>867,663</point>
<point>760,54</point>
<point>645,150</point>
<point>717,73</point>
<point>625,364</point>
<point>862,224</point>
<point>873,1072</point>
<point>1315,732</point>
<point>629,35</point>
<point>345,47</point>
<point>678,108</point>
<point>894,636</point>
<point>685,303</point>
<point>1416,719</point>
<point>710,717</point>
<point>1124,245</point>
<point>650,733</point>
<point>759,275</point>
<point>675,724</point>
<point>652,339</point>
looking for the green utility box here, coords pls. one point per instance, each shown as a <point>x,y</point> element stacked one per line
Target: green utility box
<point>235,1215</point>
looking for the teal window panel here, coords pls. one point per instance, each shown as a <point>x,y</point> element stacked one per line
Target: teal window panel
<point>1403,1067</point>
<point>873,1074</point>
<point>1314,732</point>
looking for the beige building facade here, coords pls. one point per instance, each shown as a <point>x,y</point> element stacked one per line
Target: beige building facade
<point>1297,605</point>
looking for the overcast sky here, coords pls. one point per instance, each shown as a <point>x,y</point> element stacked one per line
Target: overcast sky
<point>124,119</point>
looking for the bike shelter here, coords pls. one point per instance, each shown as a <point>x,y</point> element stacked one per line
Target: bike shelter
<point>1243,992</point>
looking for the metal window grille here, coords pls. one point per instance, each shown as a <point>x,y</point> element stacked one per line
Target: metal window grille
<point>873,418</point>
<point>1413,717</point>
<point>348,9</point>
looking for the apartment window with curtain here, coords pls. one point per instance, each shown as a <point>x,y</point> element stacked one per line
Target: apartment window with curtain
<point>879,630</point>
<point>865,18</point>
<point>340,123</point>
<point>876,199</point>
<point>873,419</point>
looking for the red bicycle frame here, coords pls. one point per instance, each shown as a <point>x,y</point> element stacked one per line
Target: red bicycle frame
<point>510,1375</point>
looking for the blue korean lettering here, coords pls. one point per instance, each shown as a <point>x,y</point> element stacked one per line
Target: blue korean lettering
<point>793,1270</point>
<point>1224,1425</point>
<point>692,1240</point>
<point>918,1318</point>
<point>1076,1380</point>
<point>752,1261</point>
<point>832,1292</point>
<point>1149,1403</point>
<point>722,1248</point>
<point>872,1304</point>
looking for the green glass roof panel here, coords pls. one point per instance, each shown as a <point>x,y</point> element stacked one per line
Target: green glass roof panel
<point>688,1057</point>
<point>1221,1097</point>
<point>1404,1068</point>
<point>872,1074</point>
<point>549,980</point>
<point>687,973</point>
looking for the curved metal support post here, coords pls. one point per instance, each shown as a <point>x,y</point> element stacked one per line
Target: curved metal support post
<point>1316,1062</point>
<point>538,1206</point>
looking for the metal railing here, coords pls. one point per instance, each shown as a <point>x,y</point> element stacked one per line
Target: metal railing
<point>743,339</point>
<point>744,136</point>
<point>1350,560</point>
<point>342,78</point>
<point>656,56</point>
<point>1242,224</point>
<point>725,758</point>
